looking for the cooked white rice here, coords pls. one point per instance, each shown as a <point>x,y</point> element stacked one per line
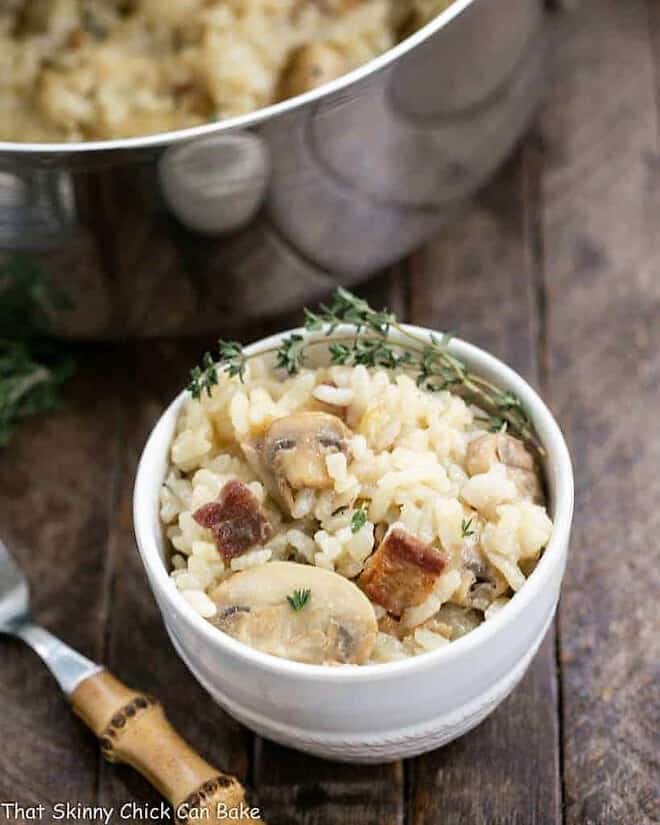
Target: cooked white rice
<point>407,465</point>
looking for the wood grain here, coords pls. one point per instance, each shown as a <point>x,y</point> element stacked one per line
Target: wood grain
<point>602,257</point>
<point>479,279</point>
<point>58,482</point>
<point>298,789</point>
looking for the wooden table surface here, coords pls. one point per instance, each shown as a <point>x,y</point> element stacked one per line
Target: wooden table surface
<point>556,269</point>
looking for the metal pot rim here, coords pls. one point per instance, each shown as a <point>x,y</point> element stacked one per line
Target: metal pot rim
<point>252,118</point>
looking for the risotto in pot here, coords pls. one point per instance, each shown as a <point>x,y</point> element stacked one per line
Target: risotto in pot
<point>346,514</point>
<point>101,69</point>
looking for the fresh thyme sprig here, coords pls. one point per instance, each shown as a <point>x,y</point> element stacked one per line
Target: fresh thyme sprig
<point>369,344</point>
<point>347,308</point>
<point>299,598</point>
<point>204,378</point>
<point>33,365</point>
<point>230,358</point>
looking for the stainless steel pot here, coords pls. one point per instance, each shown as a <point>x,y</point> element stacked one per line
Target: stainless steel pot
<point>206,227</point>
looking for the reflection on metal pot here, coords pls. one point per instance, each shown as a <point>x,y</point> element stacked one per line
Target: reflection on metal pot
<point>189,231</point>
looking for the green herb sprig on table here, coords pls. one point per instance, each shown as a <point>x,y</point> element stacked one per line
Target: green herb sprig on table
<point>427,356</point>
<point>299,599</point>
<point>32,365</point>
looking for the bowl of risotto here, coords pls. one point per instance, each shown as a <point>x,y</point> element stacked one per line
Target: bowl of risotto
<point>341,517</point>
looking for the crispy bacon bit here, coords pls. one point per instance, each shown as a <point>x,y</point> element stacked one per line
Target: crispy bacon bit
<point>235,519</point>
<point>402,572</point>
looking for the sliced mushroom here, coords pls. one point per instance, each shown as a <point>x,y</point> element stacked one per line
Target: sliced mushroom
<point>481,582</point>
<point>474,561</point>
<point>493,448</point>
<point>335,625</point>
<point>490,448</point>
<point>310,66</point>
<point>489,584</point>
<point>291,456</point>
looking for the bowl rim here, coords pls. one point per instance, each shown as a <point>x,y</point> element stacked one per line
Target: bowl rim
<point>250,118</point>
<point>551,437</point>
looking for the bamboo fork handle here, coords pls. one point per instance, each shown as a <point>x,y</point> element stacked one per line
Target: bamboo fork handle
<point>133,728</point>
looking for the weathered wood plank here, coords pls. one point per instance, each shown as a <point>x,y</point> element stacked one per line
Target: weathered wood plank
<point>602,256</point>
<point>297,789</point>
<point>138,649</point>
<point>479,279</point>
<point>504,771</point>
<point>58,481</point>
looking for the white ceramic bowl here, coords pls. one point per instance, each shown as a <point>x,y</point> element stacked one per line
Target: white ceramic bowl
<point>374,713</point>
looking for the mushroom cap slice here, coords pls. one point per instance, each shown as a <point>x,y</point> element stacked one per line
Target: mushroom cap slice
<point>489,449</point>
<point>336,625</point>
<point>291,456</point>
<point>296,446</point>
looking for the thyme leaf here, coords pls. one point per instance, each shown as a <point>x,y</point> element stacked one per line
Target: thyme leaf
<point>359,518</point>
<point>231,353</point>
<point>497,424</point>
<point>291,354</point>
<point>299,598</point>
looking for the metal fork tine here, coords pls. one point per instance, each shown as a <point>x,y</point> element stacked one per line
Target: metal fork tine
<point>14,592</point>
<point>67,665</point>
<point>10,573</point>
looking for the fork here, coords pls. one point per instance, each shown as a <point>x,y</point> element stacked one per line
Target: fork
<point>131,726</point>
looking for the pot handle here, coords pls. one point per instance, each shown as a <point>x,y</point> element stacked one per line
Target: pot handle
<point>215,185</point>
<point>132,728</point>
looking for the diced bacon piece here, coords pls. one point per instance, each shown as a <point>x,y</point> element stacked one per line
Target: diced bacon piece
<point>402,572</point>
<point>235,519</point>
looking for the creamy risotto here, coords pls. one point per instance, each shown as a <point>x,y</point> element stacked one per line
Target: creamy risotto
<point>100,69</point>
<point>344,515</point>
